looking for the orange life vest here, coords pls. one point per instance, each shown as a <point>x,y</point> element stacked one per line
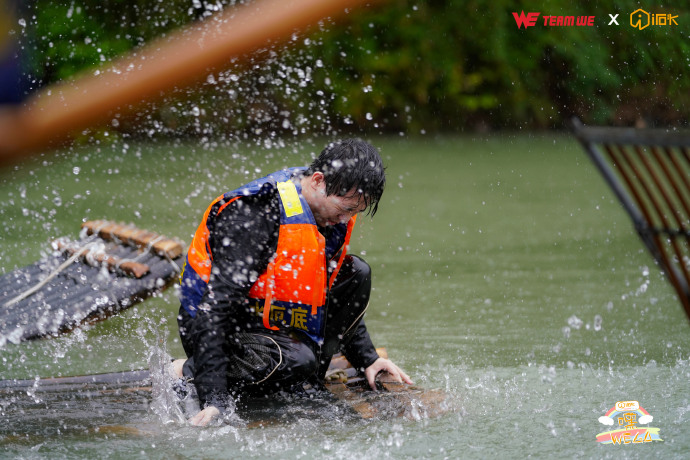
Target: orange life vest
<point>296,281</point>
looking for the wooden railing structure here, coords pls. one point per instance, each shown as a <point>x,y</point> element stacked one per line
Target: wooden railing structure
<point>649,172</point>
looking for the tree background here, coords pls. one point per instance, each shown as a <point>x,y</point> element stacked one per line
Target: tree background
<point>400,66</point>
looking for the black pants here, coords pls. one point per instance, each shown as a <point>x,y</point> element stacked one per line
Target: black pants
<point>263,361</point>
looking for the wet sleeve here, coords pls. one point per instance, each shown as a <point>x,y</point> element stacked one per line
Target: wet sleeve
<point>242,239</point>
<point>359,349</point>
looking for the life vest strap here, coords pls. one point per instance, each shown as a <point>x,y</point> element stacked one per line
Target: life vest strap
<point>270,271</point>
<point>318,290</point>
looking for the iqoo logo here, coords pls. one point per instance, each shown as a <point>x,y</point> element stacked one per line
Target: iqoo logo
<point>640,19</point>
<point>627,405</point>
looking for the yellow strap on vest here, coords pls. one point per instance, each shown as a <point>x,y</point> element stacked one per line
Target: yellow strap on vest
<point>290,198</point>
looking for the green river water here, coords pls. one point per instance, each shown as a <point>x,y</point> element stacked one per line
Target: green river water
<point>505,274</point>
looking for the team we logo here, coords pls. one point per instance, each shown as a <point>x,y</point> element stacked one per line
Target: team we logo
<point>530,20</point>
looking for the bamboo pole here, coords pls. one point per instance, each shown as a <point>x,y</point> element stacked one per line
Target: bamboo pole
<point>184,58</point>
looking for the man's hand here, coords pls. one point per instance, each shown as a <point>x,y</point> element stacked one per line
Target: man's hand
<point>204,417</point>
<point>383,364</point>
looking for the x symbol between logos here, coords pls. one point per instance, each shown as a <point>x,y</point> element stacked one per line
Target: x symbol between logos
<point>613,19</point>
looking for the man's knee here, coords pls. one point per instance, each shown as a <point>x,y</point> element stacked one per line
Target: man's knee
<point>357,267</point>
<point>294,364</point>
<point>355,274</point>
<point>300,362</point>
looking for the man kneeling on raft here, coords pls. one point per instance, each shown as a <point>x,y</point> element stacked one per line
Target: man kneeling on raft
<point>269,293</point>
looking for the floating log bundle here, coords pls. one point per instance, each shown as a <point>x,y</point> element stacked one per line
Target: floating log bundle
<point>110,268</point>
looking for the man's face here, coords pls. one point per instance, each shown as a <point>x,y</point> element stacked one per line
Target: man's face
<point>332,209</point>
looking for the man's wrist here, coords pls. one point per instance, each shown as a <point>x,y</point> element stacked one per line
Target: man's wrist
<point>221,402</point>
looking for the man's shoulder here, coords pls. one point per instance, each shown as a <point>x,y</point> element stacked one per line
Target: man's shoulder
<point>257,201</point>
<point>259,204</point>
<point>254,215</point>
<point>267,198</point>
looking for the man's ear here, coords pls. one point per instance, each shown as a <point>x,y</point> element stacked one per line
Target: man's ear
<point>317,180</point>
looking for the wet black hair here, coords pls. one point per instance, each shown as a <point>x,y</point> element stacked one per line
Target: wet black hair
<point>352,164</point>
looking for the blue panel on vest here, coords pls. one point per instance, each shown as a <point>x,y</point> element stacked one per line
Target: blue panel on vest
<point>192,289</point>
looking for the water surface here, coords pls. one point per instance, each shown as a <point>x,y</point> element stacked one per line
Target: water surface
<point>505,273</point>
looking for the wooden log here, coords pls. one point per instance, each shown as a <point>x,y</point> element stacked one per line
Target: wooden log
<point>134,236</point>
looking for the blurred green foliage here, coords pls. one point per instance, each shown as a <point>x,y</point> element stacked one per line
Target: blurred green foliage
<point>68,36</point>
<point>402,65</point>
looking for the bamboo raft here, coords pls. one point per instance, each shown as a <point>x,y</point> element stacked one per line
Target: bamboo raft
<point>393,399</point>
<point>110,268</point>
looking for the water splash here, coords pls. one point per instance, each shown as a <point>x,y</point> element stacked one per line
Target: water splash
<point>165,403</point>
<point>173,400</point>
